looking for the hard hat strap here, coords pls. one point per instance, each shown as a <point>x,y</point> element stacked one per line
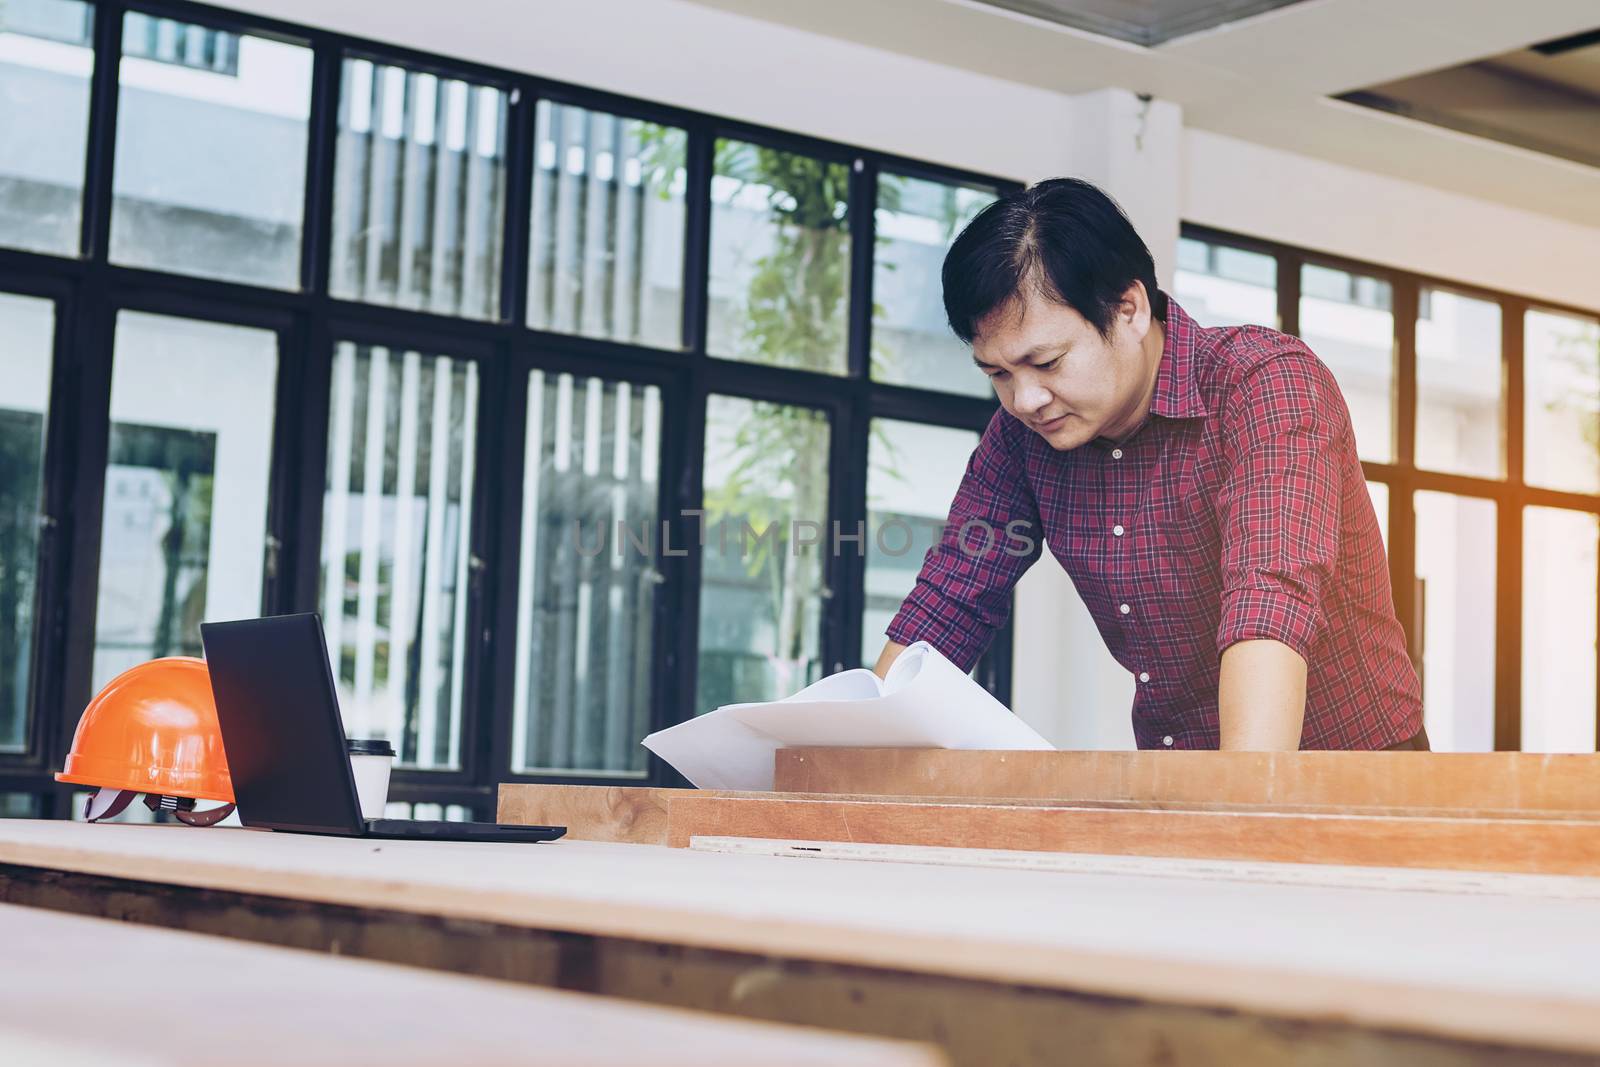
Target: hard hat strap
<point>108,803</point>
<point>204,818</point>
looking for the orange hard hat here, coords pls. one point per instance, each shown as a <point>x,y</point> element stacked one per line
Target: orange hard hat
<point>153,730</point>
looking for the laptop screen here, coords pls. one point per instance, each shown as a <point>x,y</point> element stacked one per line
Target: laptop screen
<point>281,729</point>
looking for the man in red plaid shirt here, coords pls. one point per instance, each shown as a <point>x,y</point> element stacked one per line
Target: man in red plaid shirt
<point>1201,487</point>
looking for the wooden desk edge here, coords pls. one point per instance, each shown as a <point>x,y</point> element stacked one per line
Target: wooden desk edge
<point>1553,1024</point>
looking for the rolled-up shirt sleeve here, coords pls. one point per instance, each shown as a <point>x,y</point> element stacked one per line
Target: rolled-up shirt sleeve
<point>992,535</point>
<point>1286,435</point>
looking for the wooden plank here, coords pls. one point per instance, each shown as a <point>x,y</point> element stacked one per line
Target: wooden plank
<point>639,815</point>
<point>1526,846</point>
<point>1393,879</point>
<point>635,815</point>
<point>89,991</point>
<point>1479,784</point>
<point>1117,967</point>
<point>977,1023</point>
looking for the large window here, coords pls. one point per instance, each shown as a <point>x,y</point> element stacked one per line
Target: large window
<point>1348,320</point>
<point>780,258</point>
<point>1561,413</point>
<point>913,472</point>
<point>912,344</point>
<point>183,530</point>
<point>767,531</point>
<point>396,545</point>
<point>1558,630</point>
<point>1495,575</point>
<point>45,67</point>
<point>1455,614</point>
<point>211,153</point>
<point>27,333</point>
<point>550,402</point>
<point>419,191</point>
<point>606,251</point>
<point>1461,385</point>
<point>1223,286</point>
<point>587,577</point>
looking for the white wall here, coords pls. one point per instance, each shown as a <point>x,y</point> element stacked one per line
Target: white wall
<point>683,54</point>
<point>1253,189</point>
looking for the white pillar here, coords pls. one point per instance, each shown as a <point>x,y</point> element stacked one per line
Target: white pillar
<point>1133,149</point>
<point>1064,681</point>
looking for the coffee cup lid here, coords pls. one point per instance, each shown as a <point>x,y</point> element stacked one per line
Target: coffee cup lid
<point>369,747</point>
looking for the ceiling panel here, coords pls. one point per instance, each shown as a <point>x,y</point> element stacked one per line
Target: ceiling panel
<point>1146,22</point>
<point>1545,98</point>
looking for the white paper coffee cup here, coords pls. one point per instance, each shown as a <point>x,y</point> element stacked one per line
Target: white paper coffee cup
<point>370,762</point>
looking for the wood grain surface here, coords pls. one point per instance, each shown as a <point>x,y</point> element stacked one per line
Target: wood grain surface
<point>635,815</point>
<point>1481,784</point>
<point>1526,846</point>
<point>1478,968</point>
<point>92,991</point>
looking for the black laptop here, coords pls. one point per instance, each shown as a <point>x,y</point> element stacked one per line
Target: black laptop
<point>285,743</point>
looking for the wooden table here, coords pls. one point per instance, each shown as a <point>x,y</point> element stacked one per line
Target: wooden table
<point>995,965</point>
<point>84,991</point>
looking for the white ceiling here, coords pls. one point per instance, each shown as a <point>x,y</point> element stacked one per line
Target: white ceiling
<point>1266,79</point>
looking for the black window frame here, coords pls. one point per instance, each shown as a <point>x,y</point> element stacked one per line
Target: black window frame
<point>89,290</point>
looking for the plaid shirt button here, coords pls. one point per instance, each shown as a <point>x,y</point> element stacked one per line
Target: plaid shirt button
<point>1117,529</point>
<point>1124,608</point>
<point>1167,740</point>
<point>1116,453</point>
<point>1144,676</point>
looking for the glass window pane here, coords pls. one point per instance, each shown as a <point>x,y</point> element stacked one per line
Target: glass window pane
<point>1558,630</point>
<point>211,152</point>
<point>911,339</point>
<point>1562,401</point>
<point>1223,286</point>
<point>183,535</point>
<point>1380,506</point>
<point>606,250</point>
<point>396,545</point>
<point>27,336</point>
<point>1460,385</point>
<point>780,258</point>
<point>46,59</point>
<point>912,475</point>
<point>19,806</point>
<point>766,504</point>
<point>586,583</point>
<point>419,191</point>
<point>1348,320</point>
<point>1456,607</point>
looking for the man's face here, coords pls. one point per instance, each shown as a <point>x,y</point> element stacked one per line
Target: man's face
<point>1054,372</point>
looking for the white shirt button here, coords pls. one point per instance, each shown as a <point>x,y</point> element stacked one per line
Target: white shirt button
<point>1144,676</point>
<point>1116,453</point>
<point>1117,529</point>
<point>1124,608</point>
<point>1167,740</point>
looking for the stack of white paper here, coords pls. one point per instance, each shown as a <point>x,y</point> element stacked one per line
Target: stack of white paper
<point>924,702</point>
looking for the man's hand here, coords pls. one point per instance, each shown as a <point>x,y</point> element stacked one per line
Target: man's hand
<point>891,652</point>
<point>1261,696</point>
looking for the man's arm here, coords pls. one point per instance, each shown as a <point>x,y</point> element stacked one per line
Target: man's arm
<point>1286,438</point>
<point>891,652</point>
<point>1261,696</point>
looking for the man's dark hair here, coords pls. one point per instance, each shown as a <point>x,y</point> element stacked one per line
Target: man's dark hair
<point>1065,238</point>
